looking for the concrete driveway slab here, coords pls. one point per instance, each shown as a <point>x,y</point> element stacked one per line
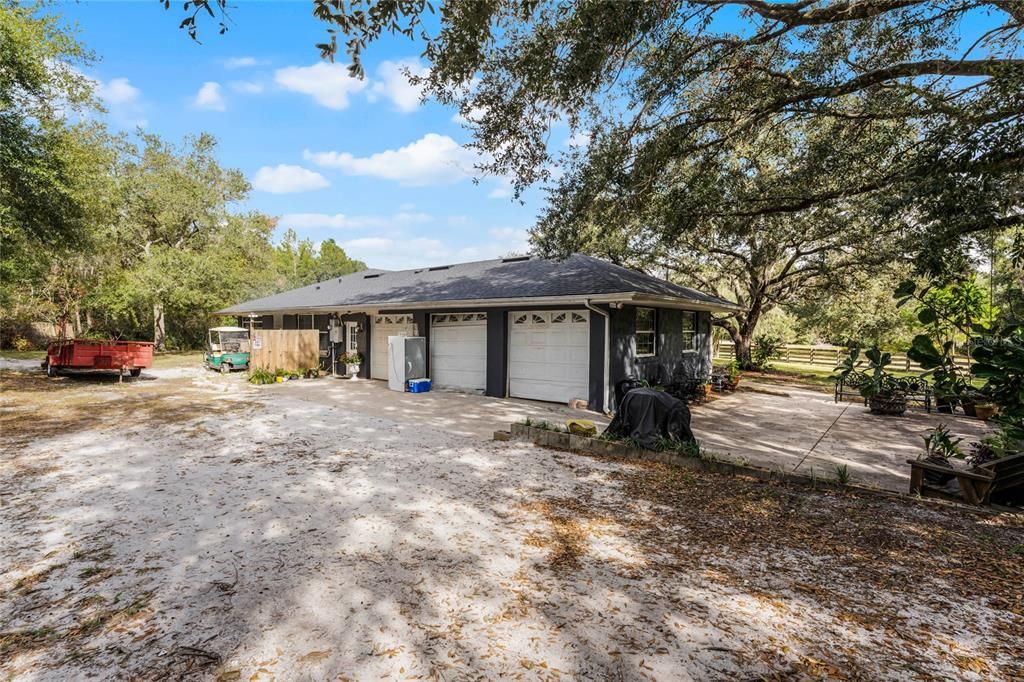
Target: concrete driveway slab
<point>802,430</point>
<point>463,414</point>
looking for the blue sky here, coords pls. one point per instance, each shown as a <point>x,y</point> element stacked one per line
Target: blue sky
<point>359,161</point>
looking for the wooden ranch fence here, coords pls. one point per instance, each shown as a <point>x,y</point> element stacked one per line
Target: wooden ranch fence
<point>290,349</point>
<point>828,356</point>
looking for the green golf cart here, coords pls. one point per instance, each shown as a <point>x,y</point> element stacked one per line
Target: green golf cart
<point>227,348</point>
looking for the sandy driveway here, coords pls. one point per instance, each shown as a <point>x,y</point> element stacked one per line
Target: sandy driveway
<point>191,525</point>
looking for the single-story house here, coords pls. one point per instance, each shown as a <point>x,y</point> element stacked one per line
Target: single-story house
<point>523,327</point>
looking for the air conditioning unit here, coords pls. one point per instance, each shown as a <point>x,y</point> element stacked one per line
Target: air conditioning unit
<point>407,359</point>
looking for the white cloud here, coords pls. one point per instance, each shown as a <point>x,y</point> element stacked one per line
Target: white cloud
<point>503,190</point>
<point>340,221</point>
<point>398,253</point>
<point>242,62</point>
<point>123,100</point>
<point>431,160</point>
<point>395,86</point>
<point>401,250</point>
<point>209,97</point>
<point>328,84</point>
<point>246,87</point>
<point>474,116</point>
<point>580,139</point>
<point>286,179</point>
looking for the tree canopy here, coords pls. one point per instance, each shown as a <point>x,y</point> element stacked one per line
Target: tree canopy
<point>654,83</point>
<point>118,235</point>
<point>39,87</point>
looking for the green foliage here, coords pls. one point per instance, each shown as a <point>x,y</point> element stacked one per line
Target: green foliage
<point>842,474</point>
<point>765,349</point>
<point>879,382</point>
<point>351,358</point>
<point>1000,361</point>
<point>939,445</point>
<point>733,371</point>
<point>948,379</point>
<point>861,313</point>
<point>260,376</point>
<point>39,193</point>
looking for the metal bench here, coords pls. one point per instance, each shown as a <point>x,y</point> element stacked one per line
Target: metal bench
<point>916,389</point>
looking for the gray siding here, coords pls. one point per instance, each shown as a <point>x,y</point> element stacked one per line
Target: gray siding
<point>670,361</point>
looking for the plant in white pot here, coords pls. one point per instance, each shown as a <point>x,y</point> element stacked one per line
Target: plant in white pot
<point>353,362</point>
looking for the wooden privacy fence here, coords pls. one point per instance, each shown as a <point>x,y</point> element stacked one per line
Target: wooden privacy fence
<point>828,356</point>
<point>290,349</point>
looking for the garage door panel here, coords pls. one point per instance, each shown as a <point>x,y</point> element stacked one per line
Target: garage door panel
<point>383,327</point>
<point>458,351</point>
<point>549,355</point>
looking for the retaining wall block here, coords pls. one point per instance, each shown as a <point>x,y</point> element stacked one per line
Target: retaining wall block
<point>520,431</point>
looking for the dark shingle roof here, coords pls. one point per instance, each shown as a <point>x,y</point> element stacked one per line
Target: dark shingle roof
<point>505,278</point>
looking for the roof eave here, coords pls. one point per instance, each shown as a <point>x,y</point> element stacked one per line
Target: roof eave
<point>637,297</point>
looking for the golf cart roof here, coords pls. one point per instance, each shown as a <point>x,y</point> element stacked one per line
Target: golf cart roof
<point>229,329</point>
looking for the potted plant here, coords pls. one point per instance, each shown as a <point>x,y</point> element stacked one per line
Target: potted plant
<point>733,375</point>
<point>885,393</point>
<point>353,362</point>
<point>985,411</point>
<point>952,385</point>
<point>706,384</point>
<point>939,447</point>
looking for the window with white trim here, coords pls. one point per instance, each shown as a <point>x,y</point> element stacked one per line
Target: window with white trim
<point>352,336</point>
<point>646,325</point>
<point>689,331</point>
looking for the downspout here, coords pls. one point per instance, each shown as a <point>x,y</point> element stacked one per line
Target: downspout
<point>607,351</point>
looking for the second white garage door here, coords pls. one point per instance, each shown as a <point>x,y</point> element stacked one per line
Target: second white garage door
<point>458,351</point>
<point>549,355</point>
<point>383,327</point>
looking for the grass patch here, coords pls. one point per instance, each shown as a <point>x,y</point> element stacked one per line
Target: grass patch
<point>23,641</point>
<point>39,355</point>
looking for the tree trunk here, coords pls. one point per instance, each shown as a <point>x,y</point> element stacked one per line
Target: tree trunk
<point>742,332</point>
<point>159,332</point>
<point>748,326</point>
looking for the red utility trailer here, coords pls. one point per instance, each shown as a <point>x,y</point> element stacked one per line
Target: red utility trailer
<point>122,356</point>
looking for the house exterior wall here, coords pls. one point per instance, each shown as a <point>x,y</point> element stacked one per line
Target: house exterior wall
<point>670,360</point>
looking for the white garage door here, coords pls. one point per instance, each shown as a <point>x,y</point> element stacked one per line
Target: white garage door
<point>458,350</point>
<point>383,327</point>
<point>549,355</point>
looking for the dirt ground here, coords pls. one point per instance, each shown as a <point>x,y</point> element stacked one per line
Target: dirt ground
<point>189,525</point>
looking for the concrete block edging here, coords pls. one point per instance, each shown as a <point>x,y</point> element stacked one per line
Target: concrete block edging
<point>562,440</point>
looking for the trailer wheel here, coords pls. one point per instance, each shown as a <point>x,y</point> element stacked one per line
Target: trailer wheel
<point>51,371</point>
<point>135,372</point>
<point>225,368</point>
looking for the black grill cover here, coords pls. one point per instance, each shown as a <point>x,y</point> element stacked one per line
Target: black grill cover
<point>647,415</point>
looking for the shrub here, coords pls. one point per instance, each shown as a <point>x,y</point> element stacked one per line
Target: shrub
<point>766,348</point>
<point>260,376</point>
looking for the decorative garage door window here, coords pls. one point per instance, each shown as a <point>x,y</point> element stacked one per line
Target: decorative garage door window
<point>458,319</point>
<point>645,342</point>
<point>689,330</point>
<point>540,319</point>
<point>392,319</point>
